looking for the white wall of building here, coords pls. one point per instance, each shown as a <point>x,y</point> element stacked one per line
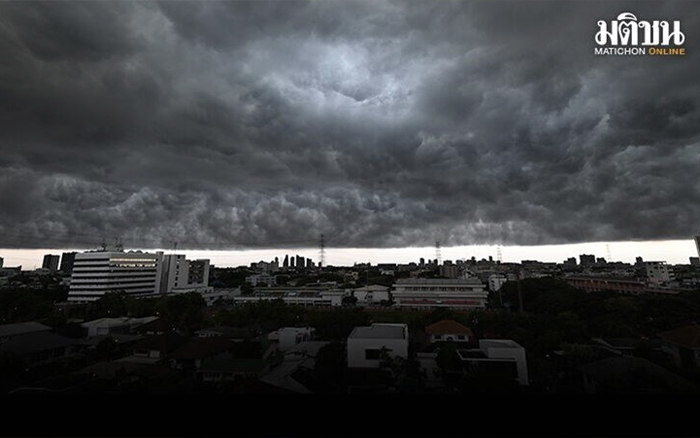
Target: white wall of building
<point>96,273</point>
<point>357,348</point>
<point>507,349</point>
<point>290,336</point>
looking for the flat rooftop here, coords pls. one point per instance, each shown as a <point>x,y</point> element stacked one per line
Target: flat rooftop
<point>380,331</point>
<point>498,343</point>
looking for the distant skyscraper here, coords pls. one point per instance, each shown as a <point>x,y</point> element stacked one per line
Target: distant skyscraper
<point>67,260</point>
<point>285,263</point>
<point>570,261</point>
<point>422,261</point>
<point>587,259</point>
<point>309,263</point>
<point>697,244</point>
<point>2,261</point>
<point>51,262</point>
<point>300,262</point>
<point>291,262</point>
<point>694,261</point>
<point>639,261</point>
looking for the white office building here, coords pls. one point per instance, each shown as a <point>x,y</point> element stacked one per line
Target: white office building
<point>135,273</point>
<point>99,272</point>
<point>464,293</point>
<point>365,344</point>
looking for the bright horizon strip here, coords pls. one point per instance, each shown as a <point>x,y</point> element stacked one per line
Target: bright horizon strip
<point>670,251</point>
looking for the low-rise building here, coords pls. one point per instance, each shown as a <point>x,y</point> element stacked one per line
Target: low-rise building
<point>504,355</point>
<point>450,331</point>
<point>288,337</point>
<point>366,345</point>
<point>107,326</point>
<point>683,345</point>
<point>34,343</point>
<point>373,294</point>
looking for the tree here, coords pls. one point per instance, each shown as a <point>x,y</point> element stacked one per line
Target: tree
<point>331,364</point>
<point>349,300</point>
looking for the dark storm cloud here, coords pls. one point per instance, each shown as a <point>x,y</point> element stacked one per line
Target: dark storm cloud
<point>249,124</point>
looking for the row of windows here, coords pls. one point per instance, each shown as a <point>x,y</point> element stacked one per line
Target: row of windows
<point>116,278</point>
<point>434,289</point>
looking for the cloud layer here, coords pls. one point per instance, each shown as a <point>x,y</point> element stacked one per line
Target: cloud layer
<point>265,124</point>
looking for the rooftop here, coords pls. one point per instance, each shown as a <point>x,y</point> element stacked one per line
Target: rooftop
<point>22,328</point>
<point>498,343</point>
<point>37,341</point>
<point>688,336</point>
<point>436,281</point>
<point>448,326</point>
<point>381,331</point>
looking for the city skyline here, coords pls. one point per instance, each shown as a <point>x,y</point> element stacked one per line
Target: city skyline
<point>379,124</point>
<point>673,252</point>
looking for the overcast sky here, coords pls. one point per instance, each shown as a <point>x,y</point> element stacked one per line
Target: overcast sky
<point>380,124</point>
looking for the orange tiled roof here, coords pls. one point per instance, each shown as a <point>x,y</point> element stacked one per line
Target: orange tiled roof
<point>688,336</point>
<point>446,327</point>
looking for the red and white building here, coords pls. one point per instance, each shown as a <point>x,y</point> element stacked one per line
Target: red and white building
<point>463,293</point>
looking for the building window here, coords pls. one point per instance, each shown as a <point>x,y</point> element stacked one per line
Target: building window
<point>372,354</point>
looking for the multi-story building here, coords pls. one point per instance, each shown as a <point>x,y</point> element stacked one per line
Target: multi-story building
<point>571,261</point>
<point>658,272</point>
<point>96,273</point>
<point>449,271</point>
<point>67,261</point>
<point>697,244</point>
<point>2,261</point>
<point>587,259</point>
<point>135,273</point>
<point>694,261</point>
<point>466,293</point>
<point>174,272</point>
<point>198,274</point>
<point>258,279</point>
<point>50,262</point>
<point>496,281</point>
